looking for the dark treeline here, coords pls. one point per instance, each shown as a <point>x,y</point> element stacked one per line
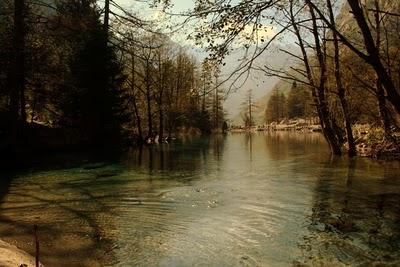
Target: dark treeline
<point>296,104</point>
<point>74,74</point>
<point>347,58</point>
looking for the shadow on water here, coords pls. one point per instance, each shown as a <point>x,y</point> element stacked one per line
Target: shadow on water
<point>355,217</point>
<point>76,207</point>
<point>72,218</point>
<point>181,155</point>
<point>25,205</point>
<point>236,200</point>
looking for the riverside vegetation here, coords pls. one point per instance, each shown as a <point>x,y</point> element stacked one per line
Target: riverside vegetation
<point>87,76</point>
<point>75,74</point>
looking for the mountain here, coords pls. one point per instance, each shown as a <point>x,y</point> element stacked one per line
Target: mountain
<point>258,82</point>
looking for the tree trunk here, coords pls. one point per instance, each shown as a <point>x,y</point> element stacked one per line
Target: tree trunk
<point>317,90</point>
<point>135,107</point>
<point>148,99</point>
<point>106,19</point>
<point>380,92</point>
<point>160,99</point>
<point>329,126</point>
<point>203,105</point>
<point>17,97</point>
<point>138,119</point>
<point>161,125</point>
<point>339,85</point>
<point>373,55</point>
<point>216,105</point>
<point>383,112</point>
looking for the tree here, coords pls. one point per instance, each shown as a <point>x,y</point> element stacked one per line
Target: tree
<point>275,110</point>
<point>92,100</point>
<point>248,105</point>
<point>372,55</point>
<point>217,107</point>
<point>314,25</point>
<point>339,85</point>
<point>298,102</point>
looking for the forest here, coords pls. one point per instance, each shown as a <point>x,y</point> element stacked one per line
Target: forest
<point>77,73</point>
<point>346,71</point>
<point>118,147</point>
<point>72,78</point>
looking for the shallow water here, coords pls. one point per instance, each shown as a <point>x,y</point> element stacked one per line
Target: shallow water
<point>275,199</point>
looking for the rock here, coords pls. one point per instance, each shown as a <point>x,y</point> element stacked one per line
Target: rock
<point>342,225</point>
<point>11,256</point>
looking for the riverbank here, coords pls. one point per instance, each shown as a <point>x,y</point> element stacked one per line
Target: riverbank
<point>285,125</point>
<point>271,198</point>
<point>374,143</point>
<point>371,141</point>
<point>11,256</point>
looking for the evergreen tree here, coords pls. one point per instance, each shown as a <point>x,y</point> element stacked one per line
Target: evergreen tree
<point>91,99</point>
<point>248,105</point>
<point>276,107</point>
<point>298,102</point>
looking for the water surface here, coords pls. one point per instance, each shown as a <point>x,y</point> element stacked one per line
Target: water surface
<point>275,199</point>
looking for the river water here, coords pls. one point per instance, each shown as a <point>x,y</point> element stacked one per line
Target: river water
<point>275,199</point>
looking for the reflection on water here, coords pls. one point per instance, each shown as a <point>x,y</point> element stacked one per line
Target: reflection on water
<point>274,199</point>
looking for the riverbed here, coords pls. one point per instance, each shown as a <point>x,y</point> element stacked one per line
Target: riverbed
<point>260,199</point>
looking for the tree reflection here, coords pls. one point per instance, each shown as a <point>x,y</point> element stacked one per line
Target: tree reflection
<point>284,144</point>
<point>187,155</point>
<point>354,219</point>
<point>249,144</point>
<point>217,144</point>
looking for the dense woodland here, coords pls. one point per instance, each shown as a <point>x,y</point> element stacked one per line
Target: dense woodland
<point>74,74</point>
<point>82,73</point>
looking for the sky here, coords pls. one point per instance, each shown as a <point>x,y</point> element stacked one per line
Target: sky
<point>259,83</point>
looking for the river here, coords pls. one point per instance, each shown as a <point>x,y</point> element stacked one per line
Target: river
<point>274,199</point>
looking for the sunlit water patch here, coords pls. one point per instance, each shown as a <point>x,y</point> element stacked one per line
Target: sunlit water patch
<point>274,199</point>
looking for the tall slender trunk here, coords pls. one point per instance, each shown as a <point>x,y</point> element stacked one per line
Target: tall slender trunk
<point>330,128</point>
<point>383,112</point>
<point>317,90</point>
<point>106,19</point>
<point>374,56</point>
<point>340,88</point>
<point>250,115</point>
<point>160,100</point>
<point>17,97</point>
<point>216,105</point>
<point>203,105</point>
<point>148,99</point>
<point>138,119</point>
<point>135,106</point>
<point>161,124</point>
<point>380,92</point>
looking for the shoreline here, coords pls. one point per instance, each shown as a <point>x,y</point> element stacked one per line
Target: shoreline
<point>371,142</point>
<point>12,256</point>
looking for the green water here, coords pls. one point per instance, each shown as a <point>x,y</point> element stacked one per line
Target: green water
<point>274,199</point>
